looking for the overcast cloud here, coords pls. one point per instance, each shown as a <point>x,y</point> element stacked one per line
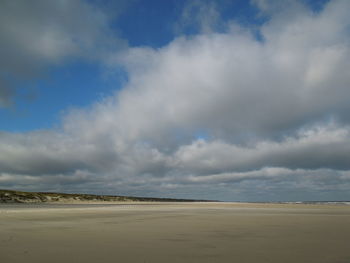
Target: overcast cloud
<point>216,115</point>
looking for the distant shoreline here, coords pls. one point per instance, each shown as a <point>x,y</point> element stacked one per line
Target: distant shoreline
<point>22,197</point>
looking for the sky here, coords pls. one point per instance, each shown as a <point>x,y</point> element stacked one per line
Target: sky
<point>214,99</point>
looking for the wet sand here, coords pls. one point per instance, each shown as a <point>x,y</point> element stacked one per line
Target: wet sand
<point>181,232</point>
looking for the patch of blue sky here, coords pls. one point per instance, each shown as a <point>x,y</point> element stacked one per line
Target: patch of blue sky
<point>316,5</point>
<point>77,84</point>
<point>202,135</point>
<point>149,23</point>
<point>152,23</point>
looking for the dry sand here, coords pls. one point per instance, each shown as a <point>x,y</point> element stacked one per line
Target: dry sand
<point>181,232</point>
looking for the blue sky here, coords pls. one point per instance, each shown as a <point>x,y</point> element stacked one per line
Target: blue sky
<point>231,100</point>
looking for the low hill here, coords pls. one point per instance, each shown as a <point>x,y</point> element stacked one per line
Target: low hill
<point>10,196</point>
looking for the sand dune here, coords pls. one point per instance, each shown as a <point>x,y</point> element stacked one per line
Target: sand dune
<point>175,232</point>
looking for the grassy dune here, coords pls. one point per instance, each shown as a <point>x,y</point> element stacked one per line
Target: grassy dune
<point>9,196</point>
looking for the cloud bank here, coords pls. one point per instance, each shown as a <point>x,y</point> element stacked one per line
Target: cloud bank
<point>230,115</point>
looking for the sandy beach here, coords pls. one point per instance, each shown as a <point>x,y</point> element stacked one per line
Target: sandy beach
<point>175,232</point>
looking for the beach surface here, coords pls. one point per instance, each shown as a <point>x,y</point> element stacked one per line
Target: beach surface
<point>174,232</point>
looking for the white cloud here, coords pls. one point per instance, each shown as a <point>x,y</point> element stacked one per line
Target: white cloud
<point>311,149</point>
